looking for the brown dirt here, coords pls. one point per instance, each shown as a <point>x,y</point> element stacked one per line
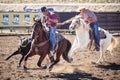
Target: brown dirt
<point>82,68</point>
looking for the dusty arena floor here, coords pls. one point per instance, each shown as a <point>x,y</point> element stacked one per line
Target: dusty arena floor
<point>82,68</point>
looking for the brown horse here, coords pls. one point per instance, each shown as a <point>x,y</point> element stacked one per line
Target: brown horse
<point>41,46</point>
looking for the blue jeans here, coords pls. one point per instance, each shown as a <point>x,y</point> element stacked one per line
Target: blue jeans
<point>96,34</point>
<point>52,37</point>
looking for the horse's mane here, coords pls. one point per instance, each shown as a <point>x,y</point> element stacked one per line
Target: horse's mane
<point>38,23</point>
<point>84,24</point>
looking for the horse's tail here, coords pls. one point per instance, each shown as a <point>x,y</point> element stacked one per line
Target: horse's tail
<point>112,44</point>
<point>65,54</point>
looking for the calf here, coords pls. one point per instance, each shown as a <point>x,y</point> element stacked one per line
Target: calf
<point>23,49</point>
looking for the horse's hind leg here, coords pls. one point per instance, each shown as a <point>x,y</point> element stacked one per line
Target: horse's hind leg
<point>56,61</point>
<point>15,53</point>
<point>100,57</point>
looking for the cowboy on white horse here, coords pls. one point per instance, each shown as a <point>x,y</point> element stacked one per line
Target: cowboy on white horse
<point>89,17</point>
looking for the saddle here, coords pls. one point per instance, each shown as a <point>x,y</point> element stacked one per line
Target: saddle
<point>92,37</point>
<point>59,37</point>
<point>102,34</point>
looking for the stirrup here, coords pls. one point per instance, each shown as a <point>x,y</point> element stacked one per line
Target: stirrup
<point>51,53</point>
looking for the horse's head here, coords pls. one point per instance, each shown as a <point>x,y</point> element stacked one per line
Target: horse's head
<point>38,28</point>
<point>79,24</point>
<point>75,23</point>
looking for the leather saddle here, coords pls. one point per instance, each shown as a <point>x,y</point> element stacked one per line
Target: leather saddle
<point>92,37</point>
<point>59,37</point>
<point>102,34</point>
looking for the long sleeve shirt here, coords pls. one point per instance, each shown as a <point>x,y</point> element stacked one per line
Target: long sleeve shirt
<point>88,16</point>
<point>52,16</point>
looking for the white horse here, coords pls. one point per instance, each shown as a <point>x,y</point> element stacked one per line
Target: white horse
<point>82,39</point>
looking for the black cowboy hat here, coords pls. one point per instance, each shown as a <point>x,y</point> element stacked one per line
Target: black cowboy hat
<point>43,9</point>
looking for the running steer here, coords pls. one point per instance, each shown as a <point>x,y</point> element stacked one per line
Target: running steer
<point>23,49</point>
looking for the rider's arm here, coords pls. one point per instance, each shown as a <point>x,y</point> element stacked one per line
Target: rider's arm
<point>68,21</point>
<point>53,20</point>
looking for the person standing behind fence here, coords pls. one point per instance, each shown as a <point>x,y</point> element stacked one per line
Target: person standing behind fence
<point>50,19</point>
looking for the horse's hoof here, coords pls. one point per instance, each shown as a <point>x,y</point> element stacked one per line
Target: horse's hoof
<point>25,69</point>
<point>93,62</point>
<point>44,67</point>
<point>18,66</point>
<point>70,60</point>
<point>6,59</point>
<point>50,68</point>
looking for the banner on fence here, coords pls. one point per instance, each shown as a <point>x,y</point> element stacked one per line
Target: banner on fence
<point>18,18</point>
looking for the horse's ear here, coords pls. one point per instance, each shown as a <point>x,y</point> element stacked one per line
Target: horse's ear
<point>34,19</point>
<point>39,20</point>
<point>77,16</point>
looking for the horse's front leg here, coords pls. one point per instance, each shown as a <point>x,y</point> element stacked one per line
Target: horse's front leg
<point>74,48</point>
<point>40,61</point>
<point>100,56</point>
<point>55,61</point>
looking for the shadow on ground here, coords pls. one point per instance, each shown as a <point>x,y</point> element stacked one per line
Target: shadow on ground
<point>77,75</point>
<point>112,66</point>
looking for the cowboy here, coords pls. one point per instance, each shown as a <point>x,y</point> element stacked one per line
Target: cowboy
<point>89,17</point>
<point>50,19</point>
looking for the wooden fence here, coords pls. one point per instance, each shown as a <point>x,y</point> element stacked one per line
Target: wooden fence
<point>107,20</point>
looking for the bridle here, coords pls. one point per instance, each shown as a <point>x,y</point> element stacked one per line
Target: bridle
<point>77,21</point>
<point>37,33</point>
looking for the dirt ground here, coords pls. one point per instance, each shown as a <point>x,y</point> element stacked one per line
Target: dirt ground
<point>82,68</point>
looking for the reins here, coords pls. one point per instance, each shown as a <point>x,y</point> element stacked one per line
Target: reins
<point>37,34</point>
<point>42,43</point>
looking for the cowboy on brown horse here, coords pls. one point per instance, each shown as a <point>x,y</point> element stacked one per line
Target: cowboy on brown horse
<point>41,46</point>
<point>50,20</point>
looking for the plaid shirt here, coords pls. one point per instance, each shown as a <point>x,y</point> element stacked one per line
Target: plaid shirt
<point>50,15</point>
<point>88,16</point>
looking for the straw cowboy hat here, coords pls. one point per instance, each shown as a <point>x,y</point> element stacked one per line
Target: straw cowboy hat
<point>81,9</point>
